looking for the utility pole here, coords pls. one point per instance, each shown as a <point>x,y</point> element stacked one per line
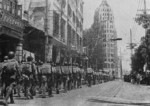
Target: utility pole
<point>46,32</point>
<point>145,11</point>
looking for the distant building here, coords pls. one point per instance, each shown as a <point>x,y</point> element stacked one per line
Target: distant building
<point>64,24</point>
<point>108,55</point>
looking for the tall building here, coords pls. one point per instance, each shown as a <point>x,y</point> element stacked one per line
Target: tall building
<point>64,24</point>
<point>11,28</point>
<point>104,19</point>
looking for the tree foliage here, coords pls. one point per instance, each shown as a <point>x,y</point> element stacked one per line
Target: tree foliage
<point>138,59</point>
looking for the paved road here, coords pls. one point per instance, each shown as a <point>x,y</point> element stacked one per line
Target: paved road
<point>115,93</point>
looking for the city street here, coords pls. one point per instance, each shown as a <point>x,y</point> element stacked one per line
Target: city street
<point>115,93</point>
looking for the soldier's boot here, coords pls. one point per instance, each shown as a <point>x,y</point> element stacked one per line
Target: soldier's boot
<point>65,87</point>
<point>32,91</point>
<point>3,91</point>
<point>50,92</point>
<point>43,92</point>
<point>11,98</point>
<point>9,92</point>
<point>57,91</point>
<point>28,93</point>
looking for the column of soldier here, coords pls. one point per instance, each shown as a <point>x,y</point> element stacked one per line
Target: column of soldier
<point>27,78</point>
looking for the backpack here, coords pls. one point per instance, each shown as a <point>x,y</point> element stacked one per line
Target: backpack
<point>27,69</point>
<point>10,67</point>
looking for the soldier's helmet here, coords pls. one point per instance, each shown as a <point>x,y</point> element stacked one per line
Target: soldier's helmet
<point>6,58</point>
<point>65,63</point>
<point>29,58</point>
<point>11,55</point>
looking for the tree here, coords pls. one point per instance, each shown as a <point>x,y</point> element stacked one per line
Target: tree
<point>138,59</point>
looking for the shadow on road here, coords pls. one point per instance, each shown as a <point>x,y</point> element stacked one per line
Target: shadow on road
<point>113,102</point>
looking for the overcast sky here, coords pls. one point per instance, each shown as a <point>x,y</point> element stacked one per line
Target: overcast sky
<point>124,13</point>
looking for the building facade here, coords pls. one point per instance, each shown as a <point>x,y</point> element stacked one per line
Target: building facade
<point>105,19</point>
<point>63,22</point>
<point>11,28</point>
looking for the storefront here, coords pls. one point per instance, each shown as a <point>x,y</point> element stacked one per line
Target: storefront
<point>11,35</point>
<point>34,41</point>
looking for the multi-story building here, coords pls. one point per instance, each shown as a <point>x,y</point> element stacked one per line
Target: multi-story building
<point>104,17</point>
<point>63,21</point>
<point>11,28</point>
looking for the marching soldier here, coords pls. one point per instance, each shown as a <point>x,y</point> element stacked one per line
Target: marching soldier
<point>46,78</point>
<point>29,77</point>
<point>10,71</point>
<point>75,75</point>
<point>50,80</point>
<point>89,76</point>
<point>64,76</point>
<point>70,77</point>
<point>3,77</point>
<point>58,78</point>
<point>80,76</point>
<point>94,78</point>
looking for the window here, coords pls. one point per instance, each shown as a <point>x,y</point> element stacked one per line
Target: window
<point>63,23</point>
<point>69,34</point>
<point>11,7</point>
<point>56,24</point>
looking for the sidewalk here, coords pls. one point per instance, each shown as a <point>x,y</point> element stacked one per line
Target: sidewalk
<point>134,92</point>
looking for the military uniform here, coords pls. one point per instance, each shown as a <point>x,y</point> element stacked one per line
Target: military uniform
<point>50,80</point>
<point>58,78</point>
<point>10,71</point>
<point>94,78</point>
<point>74,77</point>
<point>89,76</point>
<point>29,74</point>
<point>70,78</point>
<point>46,79</point>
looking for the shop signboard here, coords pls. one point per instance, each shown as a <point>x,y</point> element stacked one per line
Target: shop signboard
<point>11,22</point>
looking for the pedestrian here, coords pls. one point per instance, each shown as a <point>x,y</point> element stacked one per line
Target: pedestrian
<point>10,71</point>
